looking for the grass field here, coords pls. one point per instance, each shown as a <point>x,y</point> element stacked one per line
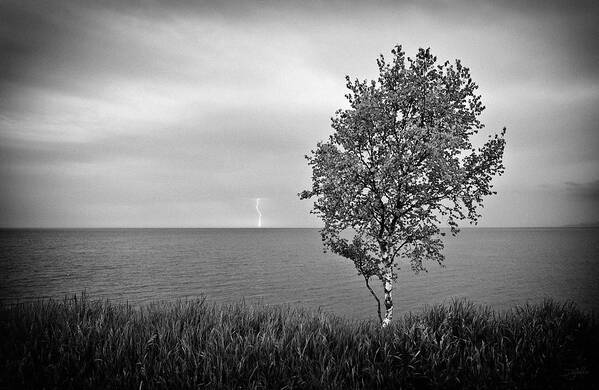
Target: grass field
<point>80,343</point>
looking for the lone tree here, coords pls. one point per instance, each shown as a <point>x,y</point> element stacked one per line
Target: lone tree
<point>401,162</point>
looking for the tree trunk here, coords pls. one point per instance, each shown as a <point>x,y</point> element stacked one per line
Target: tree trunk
<point>388,289</point>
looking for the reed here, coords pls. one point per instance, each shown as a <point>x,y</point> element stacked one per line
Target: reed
<point>79,343</point>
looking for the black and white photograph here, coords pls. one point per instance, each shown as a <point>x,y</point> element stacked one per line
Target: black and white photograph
<point>299,194</point>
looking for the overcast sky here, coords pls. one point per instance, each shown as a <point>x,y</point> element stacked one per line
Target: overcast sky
<point>144,114</point>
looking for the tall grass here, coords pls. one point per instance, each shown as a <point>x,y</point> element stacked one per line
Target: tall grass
<point>81,343</point>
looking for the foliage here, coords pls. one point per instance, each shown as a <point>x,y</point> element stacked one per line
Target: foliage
<point>80,343</point>
<point>401,161</point>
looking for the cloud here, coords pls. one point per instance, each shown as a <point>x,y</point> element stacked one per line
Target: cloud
<point>587,191</point>
<point>158,106</point>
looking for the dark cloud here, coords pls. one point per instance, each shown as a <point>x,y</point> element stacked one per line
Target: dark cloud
<point>572,26</point>
<point>587,191</point>
<point>42,43</point>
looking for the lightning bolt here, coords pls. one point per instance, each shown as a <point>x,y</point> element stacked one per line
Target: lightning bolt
<point>259,213</point>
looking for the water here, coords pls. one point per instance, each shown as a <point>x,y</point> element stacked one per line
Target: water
<point>497,267</point>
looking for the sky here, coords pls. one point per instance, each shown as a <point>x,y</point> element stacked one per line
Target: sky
<point>181,114</point>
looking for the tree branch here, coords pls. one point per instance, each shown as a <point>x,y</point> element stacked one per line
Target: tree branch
<point>378,302</point>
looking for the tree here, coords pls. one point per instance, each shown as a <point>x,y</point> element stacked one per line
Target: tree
<point>401,162</point>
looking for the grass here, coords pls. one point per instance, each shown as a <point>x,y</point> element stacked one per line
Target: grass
<point>81,343</point>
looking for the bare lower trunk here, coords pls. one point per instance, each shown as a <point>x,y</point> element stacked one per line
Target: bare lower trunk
<point>388,290</point>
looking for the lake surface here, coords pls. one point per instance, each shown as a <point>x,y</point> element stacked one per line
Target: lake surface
<point>497,267</point>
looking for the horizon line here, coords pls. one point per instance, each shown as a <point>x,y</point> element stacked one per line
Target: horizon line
<point>590,225</point>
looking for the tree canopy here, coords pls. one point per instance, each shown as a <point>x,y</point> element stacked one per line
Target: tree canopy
<point>400,163</point>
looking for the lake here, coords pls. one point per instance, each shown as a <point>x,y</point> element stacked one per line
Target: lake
<point>497,267</point>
